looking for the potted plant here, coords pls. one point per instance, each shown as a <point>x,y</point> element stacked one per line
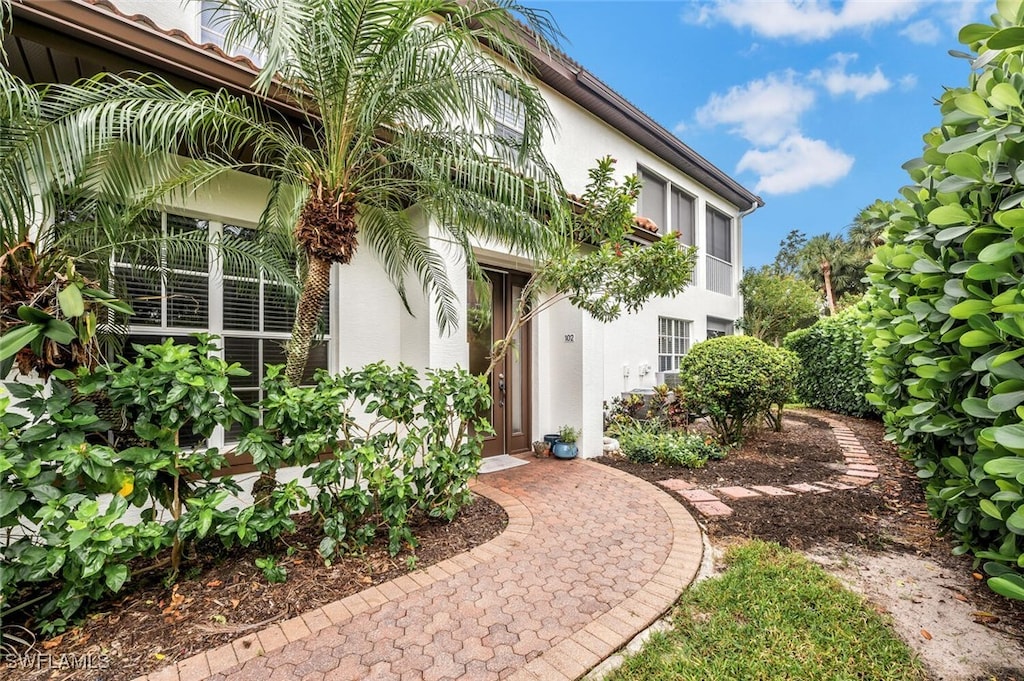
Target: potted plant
<point>566,448</point>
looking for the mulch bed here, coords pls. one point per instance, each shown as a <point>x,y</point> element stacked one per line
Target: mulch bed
<point>889,514</point>
<point>222,595</point>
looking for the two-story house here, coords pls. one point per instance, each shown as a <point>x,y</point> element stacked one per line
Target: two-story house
<point>566,364</point>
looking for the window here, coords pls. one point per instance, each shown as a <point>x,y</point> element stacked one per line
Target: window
<point>673,342</point>
<point>509,118</point>
<point>719,327</point>
<point>719,236</point>
<point>667,206</point>
<point>253,315</point>
<point>682,216</point>
<point>212,29</point>
<point>651,204</point>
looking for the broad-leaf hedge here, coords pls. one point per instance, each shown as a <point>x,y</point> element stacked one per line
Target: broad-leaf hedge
<point>833,364</point>
<point>948,319</point>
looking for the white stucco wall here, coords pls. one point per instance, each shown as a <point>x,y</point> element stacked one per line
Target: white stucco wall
<point>571,379</point>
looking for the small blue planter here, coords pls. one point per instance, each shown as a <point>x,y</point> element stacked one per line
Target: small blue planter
<point>564,450</point>
<point>551,439</point>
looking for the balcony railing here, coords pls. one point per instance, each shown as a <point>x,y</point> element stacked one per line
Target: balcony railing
<point>718,275</point>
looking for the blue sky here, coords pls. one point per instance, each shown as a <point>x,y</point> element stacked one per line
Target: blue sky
<point>812,104</point>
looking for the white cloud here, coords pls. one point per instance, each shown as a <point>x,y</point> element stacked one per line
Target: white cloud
<point>908,82</point>
<point>838,82</point>
<point>923,32</point>
<point>804,20</point>
<point>679,128</point>
<point>795,164</point>
<point>762,111</point>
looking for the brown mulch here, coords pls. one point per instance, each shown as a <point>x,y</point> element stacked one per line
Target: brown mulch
<point>222,595</point>
<point>890,514</point>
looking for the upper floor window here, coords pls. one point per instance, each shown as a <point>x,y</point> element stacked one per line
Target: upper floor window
<point>719,244</point>
<point>509,118</point>
<point>667,206</point>
<point>213,29</point>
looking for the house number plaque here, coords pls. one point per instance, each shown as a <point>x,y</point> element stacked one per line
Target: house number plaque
<point>570,338</point>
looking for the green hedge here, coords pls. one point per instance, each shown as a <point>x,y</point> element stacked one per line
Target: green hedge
<point>948,318</point>
<point>834,365</point>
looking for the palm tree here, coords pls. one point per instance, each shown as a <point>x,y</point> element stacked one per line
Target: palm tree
<point>68,202</point>
<point>827,260</point>
<point>400,101</point>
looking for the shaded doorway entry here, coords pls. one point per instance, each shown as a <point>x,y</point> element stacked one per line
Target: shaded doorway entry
<point>487,322</point>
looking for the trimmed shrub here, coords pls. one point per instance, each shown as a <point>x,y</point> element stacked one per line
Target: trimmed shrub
<point>734,381</point>
<point>647,442</point>
<point>948,315</point>
<point>833,364</point>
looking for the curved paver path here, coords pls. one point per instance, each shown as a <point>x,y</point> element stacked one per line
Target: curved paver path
<point>591,557</point>
<point>859,469</point>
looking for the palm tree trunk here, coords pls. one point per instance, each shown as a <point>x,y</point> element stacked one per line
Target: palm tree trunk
<point>826,274</point>
<point>314,293</point>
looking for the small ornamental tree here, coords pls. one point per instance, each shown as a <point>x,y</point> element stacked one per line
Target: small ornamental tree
<point>611,275</point>
<point>735,380</point>
<point>775,304</point>
<point>948,318</point>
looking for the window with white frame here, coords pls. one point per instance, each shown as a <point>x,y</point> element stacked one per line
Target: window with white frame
<point>212,29</point>
<point>682,216</point>
<point>668,206</point>
<point>252,313</point>
<point>719,327</point>
<point>509,118</point>
<point>651,203</point>
<point>673,342</point>
<point>719,244</point>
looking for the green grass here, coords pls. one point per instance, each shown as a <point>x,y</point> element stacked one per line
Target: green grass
<point>773,615</point>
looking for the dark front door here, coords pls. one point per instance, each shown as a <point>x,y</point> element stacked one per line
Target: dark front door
<point>510,380</point>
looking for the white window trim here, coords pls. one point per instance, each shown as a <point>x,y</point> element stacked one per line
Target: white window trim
<point>215,303</point>
<point>678,329</point>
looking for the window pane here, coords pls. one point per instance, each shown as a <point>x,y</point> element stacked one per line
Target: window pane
<point>187,247</point>
<point>273,352</point>
<point>143,292</point>
<point>719,235</point>
<point>240,237</point>
<point>241,305</point>
<point>652,200</point>
<point>682,216</point>
<point>245,351</point>
<point>278,309</point>
<point>187,298</point>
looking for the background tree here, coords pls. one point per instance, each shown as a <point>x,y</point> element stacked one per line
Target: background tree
<point>775,304</point>
<point>788,261</point>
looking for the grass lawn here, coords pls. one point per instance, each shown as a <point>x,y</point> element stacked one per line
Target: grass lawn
<point>773,615</point>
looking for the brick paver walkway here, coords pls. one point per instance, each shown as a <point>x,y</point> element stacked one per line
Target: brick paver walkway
<point>591,557</point>
<point>859,469</point>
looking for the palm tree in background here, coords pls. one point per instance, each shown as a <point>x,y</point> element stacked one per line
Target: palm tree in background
<point>827,260</point>
<point>402,108</point>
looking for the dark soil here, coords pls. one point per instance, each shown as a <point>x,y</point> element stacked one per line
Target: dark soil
<point>222,595</point>
<point>889,514</point>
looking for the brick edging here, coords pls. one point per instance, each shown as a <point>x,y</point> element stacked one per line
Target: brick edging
<point>239,651</point>
<point>860,470</point>
<point>577,654</point>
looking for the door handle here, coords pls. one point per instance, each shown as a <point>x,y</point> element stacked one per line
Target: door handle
<point>501,389</point>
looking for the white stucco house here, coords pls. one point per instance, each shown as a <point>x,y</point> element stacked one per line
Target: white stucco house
<point>568,363</point>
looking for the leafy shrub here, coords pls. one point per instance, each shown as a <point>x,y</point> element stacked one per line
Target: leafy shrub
<point>642,442</point>
<point>734,381</point>
<point>67,488</point>
<point>833,364</point>
<point>670,407</point>
<point>624,408</point>
<point>415,448</point>
<point>948,315</point>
